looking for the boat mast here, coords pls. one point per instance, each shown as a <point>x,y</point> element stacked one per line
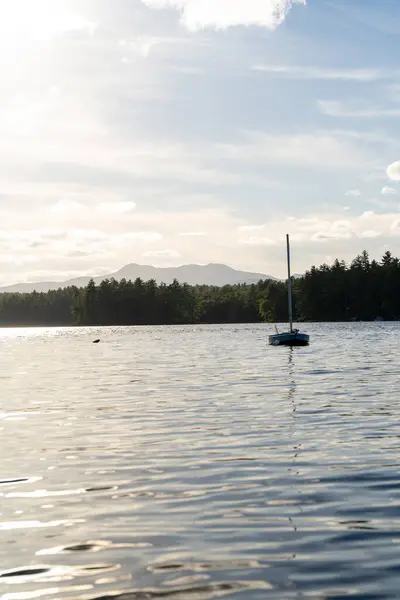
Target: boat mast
<point>289,285</point>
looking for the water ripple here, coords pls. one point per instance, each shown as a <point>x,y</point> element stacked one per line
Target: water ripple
<point>199,463</point>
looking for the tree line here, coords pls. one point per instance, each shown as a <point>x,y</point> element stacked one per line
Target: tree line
<point>362,290</point>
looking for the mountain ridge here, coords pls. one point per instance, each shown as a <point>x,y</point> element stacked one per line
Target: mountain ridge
<point>216,274</point>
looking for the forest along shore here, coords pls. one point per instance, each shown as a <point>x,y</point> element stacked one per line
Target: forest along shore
<point>363,290</point>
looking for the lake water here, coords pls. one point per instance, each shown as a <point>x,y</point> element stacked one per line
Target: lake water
<point>198,462</point>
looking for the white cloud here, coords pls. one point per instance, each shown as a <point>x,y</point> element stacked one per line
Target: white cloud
<point>251,227</point>
<point>119,208</point>
<point>86,241</point>
<point>60,251</point>
<point>365,136</point>
<point>197,14</point>
<point>26,22</point>
<point>146,237</point>
<point>341,226</point>
<point>388,191</point>
<point>329,227</point>
<point>306,230</point>
<point>192,233</point>
<point>66,206</point>
<point>321,73</point>
<point>384,205</point>
<point>258,241</point>
<point>393,171</point>
<point>322,236</point>
<point>89,151</point>
<point>369,233</point>
<point>333,108</point>
<point>141,46</point>
<point>335,230</point>
<point>306,224</point>
<point>84,134</point>
<point>166,253</point>
<point>395,226</point>
<point>312,150</point>
<point>354,193</point>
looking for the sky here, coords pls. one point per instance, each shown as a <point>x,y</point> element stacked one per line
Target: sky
<point>169,132</point>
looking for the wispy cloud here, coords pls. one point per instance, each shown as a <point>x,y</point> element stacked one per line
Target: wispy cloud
<point>197,14</point>
<point>333,108</point>
<point>126,133</point>
<point>40,21</point>
<point>258,241</point>
<point>164,253</point>
<point>388,191</point>
<point>328,228</point>
<point>192,234</point>
<point>369,234</point>
<point>322,73</point>
<point>120,208</point>
<point>355,193</point>
<point>304,149</point>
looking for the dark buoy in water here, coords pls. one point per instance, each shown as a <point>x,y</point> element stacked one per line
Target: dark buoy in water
<point>96,341</point>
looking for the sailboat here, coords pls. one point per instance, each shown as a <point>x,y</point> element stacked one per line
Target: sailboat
<point>293,337</point>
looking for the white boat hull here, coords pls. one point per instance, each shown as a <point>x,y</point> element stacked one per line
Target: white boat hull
<point>294,338</point>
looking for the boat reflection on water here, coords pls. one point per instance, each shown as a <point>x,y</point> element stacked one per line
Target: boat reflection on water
<point>291,401</point>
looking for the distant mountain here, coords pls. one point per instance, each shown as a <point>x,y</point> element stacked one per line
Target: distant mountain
<point>211,274</point>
